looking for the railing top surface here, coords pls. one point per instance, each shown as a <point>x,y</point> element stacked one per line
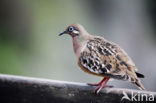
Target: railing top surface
<point>36,90</point>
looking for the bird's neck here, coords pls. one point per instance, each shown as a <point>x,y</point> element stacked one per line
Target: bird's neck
<point>78,44</point>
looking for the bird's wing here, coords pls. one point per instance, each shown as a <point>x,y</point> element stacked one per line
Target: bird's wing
<point>101,57</point>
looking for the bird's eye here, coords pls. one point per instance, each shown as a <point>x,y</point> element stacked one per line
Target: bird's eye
<point>71,28</point>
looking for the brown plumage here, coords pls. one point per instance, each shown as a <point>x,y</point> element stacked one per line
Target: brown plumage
<point>100,57</point>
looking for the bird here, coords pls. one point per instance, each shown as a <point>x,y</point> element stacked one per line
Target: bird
<point>97,56</point>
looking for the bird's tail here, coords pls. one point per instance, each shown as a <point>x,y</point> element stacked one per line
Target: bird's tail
<point>139,84</point>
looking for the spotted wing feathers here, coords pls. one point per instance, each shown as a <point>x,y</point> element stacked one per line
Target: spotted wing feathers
<point>93,63</point>
<point>104,58</point>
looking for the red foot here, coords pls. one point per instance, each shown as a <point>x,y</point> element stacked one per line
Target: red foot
<point>97,84</point>
<point>94,84</point>
<point>100,85</point>
<point>103,84</point>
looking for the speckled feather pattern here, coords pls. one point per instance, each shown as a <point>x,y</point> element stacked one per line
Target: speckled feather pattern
<point>104,58</point>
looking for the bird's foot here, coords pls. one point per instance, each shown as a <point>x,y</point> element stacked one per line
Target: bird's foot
<point>93,84</point>
<point>97,84</point>
<point>98,89</point>
<point>103,84</point>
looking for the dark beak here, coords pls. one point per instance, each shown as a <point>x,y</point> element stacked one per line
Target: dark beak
<point>65,32</point>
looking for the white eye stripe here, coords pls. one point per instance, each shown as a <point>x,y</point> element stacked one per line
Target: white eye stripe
<point>75,32</point>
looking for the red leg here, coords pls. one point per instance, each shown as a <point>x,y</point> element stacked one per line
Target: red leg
<point>97,89</point>
<point>97,84</point>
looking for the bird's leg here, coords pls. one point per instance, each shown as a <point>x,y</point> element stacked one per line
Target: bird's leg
<point>97,84</point>
<point>103,84</point>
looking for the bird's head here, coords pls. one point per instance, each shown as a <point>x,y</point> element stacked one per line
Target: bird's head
<point>79,36</point>
<point>75,30</point>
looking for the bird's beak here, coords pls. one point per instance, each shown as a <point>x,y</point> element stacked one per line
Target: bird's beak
<point>64,32</point>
